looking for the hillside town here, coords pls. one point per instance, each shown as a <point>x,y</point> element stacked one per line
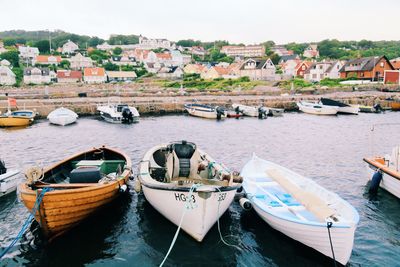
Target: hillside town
<point>164,59</point>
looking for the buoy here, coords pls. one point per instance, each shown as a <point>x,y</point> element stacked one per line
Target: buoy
<point>138,186</point>
<point>123,188</point>
<point>375,181</point>
<point>245,203</point>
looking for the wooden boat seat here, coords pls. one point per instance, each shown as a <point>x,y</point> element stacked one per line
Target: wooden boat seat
<point>312,202</point>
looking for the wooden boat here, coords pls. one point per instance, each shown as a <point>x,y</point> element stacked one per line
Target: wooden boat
<point>8,179</point>
<point>205,111</point>
<point>260,112</point>
<point>17,118</point>
<point>317,109</point>
<point>179,175</point>
<point>62,116</point>
<point>81,185</point>
<point>395,105</point>
<point>300,208</point>
<point>342,107</point>
<point>387,169</point>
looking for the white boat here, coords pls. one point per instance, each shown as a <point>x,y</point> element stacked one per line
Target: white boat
<point>275,112</point>
<point>62,116</point>
<point>300,208</point>
<point>385,172</point>
<point>250,111</point>
<point>342,107</point>
<point>9,179</point>
<point>205,111</point>
<point>317,109</point>
<point>178,177</point>
<point>118,113</point>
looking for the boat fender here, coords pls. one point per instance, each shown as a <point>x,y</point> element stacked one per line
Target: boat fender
<point>240,189</point>
<point>123,188</point>
<point>245,203</point>
<point>375,181</point>
<point>137,186</point>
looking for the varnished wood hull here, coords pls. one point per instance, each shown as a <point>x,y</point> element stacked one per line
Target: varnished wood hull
<point>63,209</point>
<point>395,105</point>
<point>11,121</point>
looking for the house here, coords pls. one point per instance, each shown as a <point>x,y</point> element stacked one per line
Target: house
<point>257,69</point>
<point>193,68</point>
<point>198,51</point>
<point>391,77</point>
<point>148,43</point>
<point>94,75</point>
<point>28,54</point>
<point>47,60</point>
<point>121,76</point>
<point>395,63</point>
<point>7,77</point>
<point>2,49</point>
<point>285,58</point>
<point>5,62</point>
<point>301,68</point>
<point>35,75</point>
<point>69,76</point>
<point>317,71</point>
<point>311,51</point>
<point>153,67</point>
<point>79,62</point>
<point>244,50</point>
<point>288,67</point>
<point>174,72</point>
<point>366,68</point>
<point>216,72</point>
<point>164,58</point>
<point>123,60</point>
<point>333,72</point>
<point>69,47</point>
<point>281,51</point>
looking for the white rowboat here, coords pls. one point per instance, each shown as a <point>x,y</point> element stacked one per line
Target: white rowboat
<point>62,116</point>
<point>300,208</point>
<point>9,179</point>
<point>205,111</point>
<point>317,109</point>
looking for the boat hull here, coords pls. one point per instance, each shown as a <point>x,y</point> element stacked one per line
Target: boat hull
<point>13,121</point>
<point>324,110</point>
<point>395,106</point>
<point>9,182</point>
<point>389,182</point>
<point>203,113</point>
<point>62,117</point>
<point>349,110</point>
<point>315,237</point>
<point>247,110</point>
<point>203,211</point>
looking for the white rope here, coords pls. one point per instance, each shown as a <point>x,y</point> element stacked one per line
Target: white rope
<point>185,208</point>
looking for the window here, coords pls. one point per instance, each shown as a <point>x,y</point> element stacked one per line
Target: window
<point>382,64</point>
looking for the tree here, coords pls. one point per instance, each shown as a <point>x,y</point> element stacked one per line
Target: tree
<point>19,75</point>
<point>117,51</point>
<point>123,39</point>
<point>297,48</point>
<point>12,57</point>
<point>365,44</point>
<point>43,46</point>
<point>65,64</point>
<point>188,43</point>
<point>94,41</point>
<point>111,67</point>
<point>9,42</point>
<point>275,58</point>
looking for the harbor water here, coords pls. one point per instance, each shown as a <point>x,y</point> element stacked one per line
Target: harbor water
<point>131,232</point>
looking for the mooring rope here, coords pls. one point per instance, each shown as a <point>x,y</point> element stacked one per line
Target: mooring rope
<point>329,225</point>
<point>25,226</point>
<point>186,207</point>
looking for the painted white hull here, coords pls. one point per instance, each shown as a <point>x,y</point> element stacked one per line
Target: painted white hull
<point>115,120</point>
<point>110,114</point>
<point>349,110</point>
<point>62,116</point>
<point>9,182</point>
<point>247,110</point>
<point>203,114</point>
<point>275,112</point>
<point>323,110</point>
<point>388,182</point>
<point>199,219</point>
<point>315,237</point>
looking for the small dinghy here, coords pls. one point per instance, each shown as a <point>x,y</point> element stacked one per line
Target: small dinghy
<point>384,172</point>
<point>377,108</point>
<point>205,111</point>
<point>73,189</point>
<point>179,176</point>
<point>260,112</point>
<point>317,109</point>
<point>17,118</point>
<point>8,179</point>
<point>275,112</point>
<point>300,208</point>
<point>118,113</point>
<point>342,107</point>
<point>62,116</point>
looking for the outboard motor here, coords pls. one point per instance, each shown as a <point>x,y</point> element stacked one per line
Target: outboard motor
<point>3,168</point>
<point>375,181</point>
<point>262,113</point>
<point>220,112</point>
<point>127,115</point>
<point>378,108</point>
<point>237,110</point>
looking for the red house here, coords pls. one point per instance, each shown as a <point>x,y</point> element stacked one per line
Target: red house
<point>392,77</point>
<point>301,68</point>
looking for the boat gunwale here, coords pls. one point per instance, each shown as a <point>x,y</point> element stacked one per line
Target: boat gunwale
<point>383,168</point>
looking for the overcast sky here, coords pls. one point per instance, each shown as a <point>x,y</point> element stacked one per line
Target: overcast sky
<point>246,21</point>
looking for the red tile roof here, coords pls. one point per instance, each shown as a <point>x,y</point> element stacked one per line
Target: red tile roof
<point>69,74</point>
<point>45,58</point>
<point>94,72</point>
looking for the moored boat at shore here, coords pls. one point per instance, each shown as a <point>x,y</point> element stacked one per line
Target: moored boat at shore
<point>300,208</point>
<point>317,109</point>
<point>205,111</point>
<point>342,107</point>
<point>395,105</point>
<point>16,118</point>
<point>62,116</point>
<point>118,113</point>
<point>8,179</point>
<point>74,188</point>
<point>260,112</point>
<point>179,176</point>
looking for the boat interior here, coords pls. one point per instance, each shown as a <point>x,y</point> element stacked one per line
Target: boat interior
<point>182,162</point>
<point>91,167</point>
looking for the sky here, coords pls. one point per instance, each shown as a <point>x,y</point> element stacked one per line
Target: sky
<point>238,21</point>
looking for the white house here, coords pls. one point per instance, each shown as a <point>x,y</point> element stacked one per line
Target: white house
<point>121,76</point>
<point>79,62</point>
<point>311,51</point>
<point>7,77</point>
<point>69,47</point>
<point>94,75</point>
<point>174,72</point>
<point>147,43</point>
<point>333,72</point>
<point>257,69</point>
<point>36,75</point>
<point>28,54</point>
<point>317,71</point>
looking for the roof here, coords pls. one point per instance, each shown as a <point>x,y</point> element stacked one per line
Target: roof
<point>163,55</point>
<point>363,64</point>
<point>395,63</point>
<point>29,70</point>
<point>7,70</point>
<point>94,72</point>
<point>288,57</point>
<point>69,74</point>
<point>307,63</point>
<point>221,70</point>
<point>121,74</point>
<point>259,63</point>
<point>45,58</point>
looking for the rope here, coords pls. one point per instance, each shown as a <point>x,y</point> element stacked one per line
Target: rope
<point>186,207</point>
<point>219,228</point>
<point>329,225</point>
<point>25,226</point>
